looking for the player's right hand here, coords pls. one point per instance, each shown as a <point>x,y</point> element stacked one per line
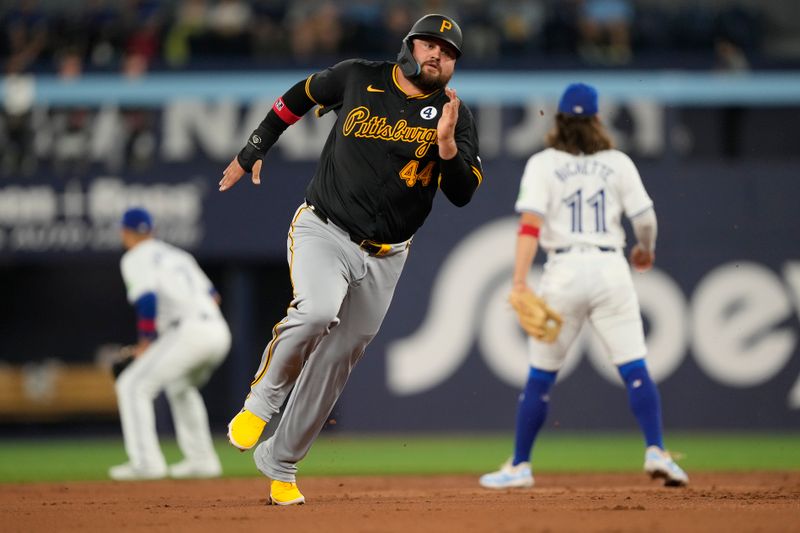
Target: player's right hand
<point>234,172</point>
<point>641,259</point>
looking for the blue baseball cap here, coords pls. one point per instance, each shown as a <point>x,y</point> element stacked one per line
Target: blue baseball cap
<point>137,219</point>
<point>579,99</point>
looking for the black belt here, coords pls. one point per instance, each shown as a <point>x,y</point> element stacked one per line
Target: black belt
<point>371,247</point>
<point>568,248</point>
<point>317,211</point>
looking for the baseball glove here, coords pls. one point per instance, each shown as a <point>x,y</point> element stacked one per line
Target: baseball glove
<point>124,358</point>
<point>535,316</point>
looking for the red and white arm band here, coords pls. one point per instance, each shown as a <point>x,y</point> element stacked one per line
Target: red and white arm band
<point>283,112</point>
<point>527,229</point>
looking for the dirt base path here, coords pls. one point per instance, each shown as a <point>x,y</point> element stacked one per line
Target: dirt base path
<point>559,502</point>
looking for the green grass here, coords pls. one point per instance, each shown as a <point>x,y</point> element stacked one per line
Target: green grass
<point>89,459</point>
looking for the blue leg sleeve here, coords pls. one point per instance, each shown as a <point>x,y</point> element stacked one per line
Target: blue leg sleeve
<point>644,400</point>
<point>532,412</point>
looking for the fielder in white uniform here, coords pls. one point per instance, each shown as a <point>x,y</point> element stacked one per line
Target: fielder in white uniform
<point>183,338</point>
<point>571,200</point>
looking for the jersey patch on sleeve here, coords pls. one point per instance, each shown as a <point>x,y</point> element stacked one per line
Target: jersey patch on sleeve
<point>284,112</point>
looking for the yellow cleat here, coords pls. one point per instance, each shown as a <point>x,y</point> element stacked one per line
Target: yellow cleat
<point>285,493</point>
<point>245,429</point>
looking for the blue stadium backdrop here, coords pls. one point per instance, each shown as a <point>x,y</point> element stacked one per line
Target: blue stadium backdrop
<point>717,154</point>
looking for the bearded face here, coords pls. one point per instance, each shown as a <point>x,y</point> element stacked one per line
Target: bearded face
<point>437,61</point>
<point>431,78</point>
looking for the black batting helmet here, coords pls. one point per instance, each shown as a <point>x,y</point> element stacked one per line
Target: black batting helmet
<point>434,25</point>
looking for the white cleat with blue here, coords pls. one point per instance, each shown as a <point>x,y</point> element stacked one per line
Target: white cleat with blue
<point>509,476</point>
<point>659,464</point>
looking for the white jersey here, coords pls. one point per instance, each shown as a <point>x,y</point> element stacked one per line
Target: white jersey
<point>182,289</point>
<point>581,198</point>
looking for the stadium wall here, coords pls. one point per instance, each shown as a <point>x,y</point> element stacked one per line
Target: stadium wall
<point>721,309</point>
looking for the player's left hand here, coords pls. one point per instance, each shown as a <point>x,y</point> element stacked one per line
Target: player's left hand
<point>446,129</point>
<point>534,315</point>
<point>641,259</point>
<point>234,171</point>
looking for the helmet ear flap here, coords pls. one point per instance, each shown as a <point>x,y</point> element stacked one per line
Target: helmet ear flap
<point>405,60</point>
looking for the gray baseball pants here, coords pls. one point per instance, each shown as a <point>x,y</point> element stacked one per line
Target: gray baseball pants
<point>340,297</point>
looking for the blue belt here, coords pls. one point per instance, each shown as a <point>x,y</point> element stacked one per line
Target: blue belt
<point>568,248</point>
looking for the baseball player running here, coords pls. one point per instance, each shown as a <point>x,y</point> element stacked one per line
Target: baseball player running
<point>400,135</point>
<point>183,338</point>
<point>572,197</point>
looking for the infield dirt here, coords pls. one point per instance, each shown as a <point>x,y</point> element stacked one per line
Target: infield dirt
<point>731,502</point>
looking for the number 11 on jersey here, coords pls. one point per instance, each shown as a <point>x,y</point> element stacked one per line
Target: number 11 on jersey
<point>597,201</point>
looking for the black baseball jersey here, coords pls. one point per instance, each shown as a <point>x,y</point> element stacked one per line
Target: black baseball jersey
<point>380,167</point>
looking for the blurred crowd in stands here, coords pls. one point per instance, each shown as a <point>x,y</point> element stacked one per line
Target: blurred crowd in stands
<point>132,37</point>
<point>137,35</point>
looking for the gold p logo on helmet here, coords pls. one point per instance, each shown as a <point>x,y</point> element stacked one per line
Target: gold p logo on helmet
<point>439,26</point>
<point>433,25</point>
